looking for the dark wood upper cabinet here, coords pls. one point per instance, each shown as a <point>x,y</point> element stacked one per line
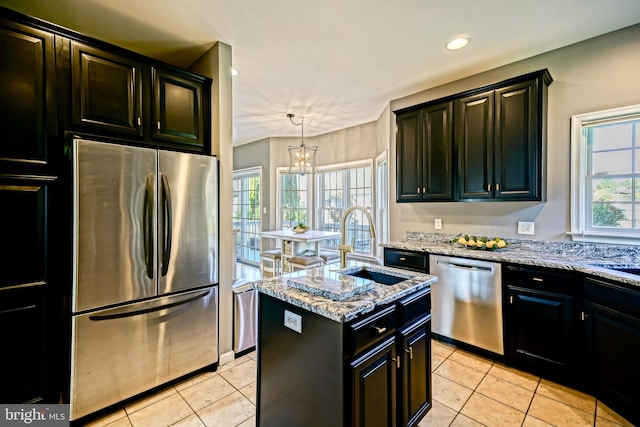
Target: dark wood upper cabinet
<point>474,143</point>
<point>27,97</point>
<point>179,108</point>
<point>409,155</point>
<point>496,148</point>
<point>106,91</point>
<point>518,142</point>
<point>424,150</point>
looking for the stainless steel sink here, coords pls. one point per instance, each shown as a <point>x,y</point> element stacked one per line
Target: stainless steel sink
<point>378,277</point>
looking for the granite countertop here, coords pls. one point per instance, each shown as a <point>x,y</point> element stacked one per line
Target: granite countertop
<point>318,299</point>
<point>592,259</point>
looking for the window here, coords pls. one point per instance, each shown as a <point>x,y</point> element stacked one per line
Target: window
<point>295,196</point>
<point>606,176</point>
<point>320,200</point>
<point>339,187</point>
<point>246,214</point>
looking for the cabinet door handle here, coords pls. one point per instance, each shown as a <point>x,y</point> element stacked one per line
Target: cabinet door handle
<point>410,351</point>
<point>489,188</point>
<point>139,121</point>
<point>497,187</point>
<point>379,330</point>
<point>402,258</point>
<point>418,189</point>
<point>158,125</point>
<point>537,279</point>
<point>584,316</point>
<point>511,299</point>
<point>397,360</point>
<point>424,190</point>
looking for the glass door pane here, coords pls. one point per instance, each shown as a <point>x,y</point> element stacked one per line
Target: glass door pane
<point>246,216</point>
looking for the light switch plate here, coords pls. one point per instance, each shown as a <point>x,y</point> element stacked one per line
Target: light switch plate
<point>293,321</point>
<point>525,227</point>
<point>438,224</point>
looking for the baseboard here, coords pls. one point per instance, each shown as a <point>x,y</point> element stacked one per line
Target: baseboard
<point>227,357</point>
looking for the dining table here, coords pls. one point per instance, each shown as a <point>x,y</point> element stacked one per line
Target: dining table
<point>299,244</point>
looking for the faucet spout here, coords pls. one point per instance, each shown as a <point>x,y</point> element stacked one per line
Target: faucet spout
<point>344,248</point>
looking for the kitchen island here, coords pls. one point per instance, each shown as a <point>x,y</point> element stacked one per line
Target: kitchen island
<point>337,349</point>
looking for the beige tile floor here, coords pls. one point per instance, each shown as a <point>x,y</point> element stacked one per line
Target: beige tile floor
<point>468,390</point>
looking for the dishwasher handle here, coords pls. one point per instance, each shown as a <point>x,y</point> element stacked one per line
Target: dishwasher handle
<point>466,267</point>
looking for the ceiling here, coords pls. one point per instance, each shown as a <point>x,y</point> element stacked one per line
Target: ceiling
<point>337,63</point>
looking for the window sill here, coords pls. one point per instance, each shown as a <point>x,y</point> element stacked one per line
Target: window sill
<point>610,238</point>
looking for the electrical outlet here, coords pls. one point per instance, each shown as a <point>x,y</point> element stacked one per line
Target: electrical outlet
<point>525,227</point>
<point>293,321</point>
<point>438,224</point>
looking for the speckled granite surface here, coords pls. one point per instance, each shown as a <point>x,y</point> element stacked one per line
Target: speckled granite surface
<point>351,307</point>
<point>583,257</point>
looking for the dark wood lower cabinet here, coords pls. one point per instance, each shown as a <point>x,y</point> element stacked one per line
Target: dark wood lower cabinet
<point>372,371</point>
<point>414,388</point>
<point>612,338</point>
<point>25,369</point>
<point>542,321</point>
<point>373,376</point>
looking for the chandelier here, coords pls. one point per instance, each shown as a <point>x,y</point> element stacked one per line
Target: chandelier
<point>302,159</point>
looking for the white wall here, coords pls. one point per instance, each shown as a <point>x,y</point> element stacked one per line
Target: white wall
<point>596,74</point>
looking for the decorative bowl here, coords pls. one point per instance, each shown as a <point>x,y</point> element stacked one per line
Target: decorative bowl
<point>480,242</point>
<point>301,230</point>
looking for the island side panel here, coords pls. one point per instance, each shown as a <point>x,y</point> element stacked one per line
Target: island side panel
<point>300,375</point>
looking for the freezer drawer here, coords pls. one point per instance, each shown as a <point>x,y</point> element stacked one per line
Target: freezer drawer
<point>244,318</point>
<point>121,352</point>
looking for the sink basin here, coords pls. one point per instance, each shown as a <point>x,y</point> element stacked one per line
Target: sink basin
<point>376,276</point>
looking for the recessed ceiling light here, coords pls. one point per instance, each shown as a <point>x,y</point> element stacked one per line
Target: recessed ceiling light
<point>234,72</point>
<point>457,43</point>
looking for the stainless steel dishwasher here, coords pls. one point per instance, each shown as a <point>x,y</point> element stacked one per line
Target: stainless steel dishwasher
<point>467,301</point>
<point>245,305</point>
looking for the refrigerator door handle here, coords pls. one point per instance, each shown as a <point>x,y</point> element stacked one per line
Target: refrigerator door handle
<point>148,225</point>
<point>119,313</point>
<point>167,230</point>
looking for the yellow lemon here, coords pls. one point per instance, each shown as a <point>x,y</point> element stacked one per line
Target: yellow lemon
<point>479,243</point>
<point>502,244</point>
<point>490,244</point>
<point>471,242</point>
<point>462,241</point>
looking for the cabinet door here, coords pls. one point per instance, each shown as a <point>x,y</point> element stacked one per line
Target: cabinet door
<point>178,110</point>
<point>373,385</point>
<point>28,362</point>
<point>414,388</point>
<point>409,157</point>
<point>541,328</point>
<point>106,91</point>
<point>517,143</point>
<point>27,97</point>
<point>474,144</point>
<point>437,152</point>
<point>613,352</point>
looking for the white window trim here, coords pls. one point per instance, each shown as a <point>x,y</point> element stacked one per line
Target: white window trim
<point>578,169</point>
<point>382,158</point>
<point>280,170</point>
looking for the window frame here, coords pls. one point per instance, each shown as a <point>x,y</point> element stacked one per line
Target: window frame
<point>580,193</point>
<point>345,167</point>
<point>280,172</point>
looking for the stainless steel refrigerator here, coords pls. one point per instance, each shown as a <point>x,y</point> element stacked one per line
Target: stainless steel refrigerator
<point>145,295</point>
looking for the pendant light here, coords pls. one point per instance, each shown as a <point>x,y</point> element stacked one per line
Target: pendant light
<point>302,159</point>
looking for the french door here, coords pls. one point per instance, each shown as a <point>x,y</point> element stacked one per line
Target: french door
<point>247,185</point>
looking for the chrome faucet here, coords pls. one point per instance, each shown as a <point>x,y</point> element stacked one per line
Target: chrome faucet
<point>344,248</point>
